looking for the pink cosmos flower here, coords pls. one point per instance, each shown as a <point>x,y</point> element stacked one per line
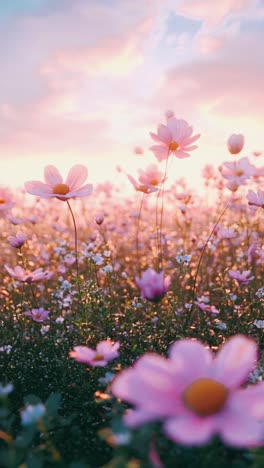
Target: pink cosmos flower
<point>153,286</point>
<point>256,199</point>
<point>6,201</point>
<point>151,176</point>
<point>105,351</point>
<point>18,240</point>
<point>142,187</point>
<point>173,138</point>
<point>227,233</point>
<point>209,173</point>
<point>235,143</point>
<point>237,172</point>
<point>197,394</point>
<point>210,309</point>
<point>241,277</point>
<point>54,187</point>
<point>21,275</point>
<point>38,315</point>
<point>138,150</point>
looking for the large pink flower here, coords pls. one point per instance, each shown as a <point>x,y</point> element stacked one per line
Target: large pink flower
<point>54,187</point>
<point>105,351</point>
<point>28,277</point>
<point>197,394</point>
<point>173,138</point>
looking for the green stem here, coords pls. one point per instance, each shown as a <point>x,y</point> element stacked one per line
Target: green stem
<point>205,245</point>
<point>75,243</point>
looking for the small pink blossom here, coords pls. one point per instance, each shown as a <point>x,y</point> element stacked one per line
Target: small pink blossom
<point>241,277</point>
<point>210,309</point>
<point>24,277</point>
<point>18,240</point>
<point>38,315</point>
<point>151,176</point>
<point>235,143</point>
<point>227,233</point>
<point>173,138</point>
<point>138,150</point>
<point>105,352</point>
<point>169,114</point>
<point>197,394</point>
<point>54,187</point>
<point>147,189</point>
<point>6,200</point>
<point>153,285</point>
<point>208,172</point>
<point>256,199</point>
<point>99,219</point>
<point>237,172</point>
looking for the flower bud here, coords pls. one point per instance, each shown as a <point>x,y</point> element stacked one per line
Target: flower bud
<point>235,143</point>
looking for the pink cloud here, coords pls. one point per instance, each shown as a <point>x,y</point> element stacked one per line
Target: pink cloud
<point>212,12</point>
<point>230,82</point>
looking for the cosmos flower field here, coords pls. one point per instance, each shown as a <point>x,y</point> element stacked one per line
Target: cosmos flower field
<point>132,323</point>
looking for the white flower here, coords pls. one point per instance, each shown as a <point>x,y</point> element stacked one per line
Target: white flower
<point>259,323</point>
<point>6,389</point>
<point>6,349</point>
<point>59,320</point>
<point>32,413</point>
<point>221,325</point>
<point>44,329</point>
<point>260,292</point>
<point>98,259</point>
<point>107,269</point>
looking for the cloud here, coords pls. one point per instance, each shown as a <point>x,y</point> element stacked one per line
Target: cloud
<point>211,12</point>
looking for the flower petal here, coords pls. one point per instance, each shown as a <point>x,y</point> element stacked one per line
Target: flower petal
<point>164,134</point>
<point>151,385</point>
<point>160,151</point>
<point>84,191</point>
<point>35,187</point>
<point>134,418</point>
<point>52,176</point>
<point>190,430</point>
<point>234,361</point>
<point>76,177</point>
<point>181,154</point>
<point>190,360</point>
<point>239,429</point>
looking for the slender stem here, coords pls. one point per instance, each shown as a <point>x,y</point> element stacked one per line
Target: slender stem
<point>137,231</point>
<point>205,245</point>
<point>75,242</point>
<point>161,212</point>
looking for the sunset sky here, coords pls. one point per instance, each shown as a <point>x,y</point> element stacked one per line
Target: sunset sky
<point>85,81</point>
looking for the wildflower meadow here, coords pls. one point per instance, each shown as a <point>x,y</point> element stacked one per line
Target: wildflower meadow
<point>131,326</point>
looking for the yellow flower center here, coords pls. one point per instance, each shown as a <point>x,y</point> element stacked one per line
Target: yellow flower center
<point>98,357</point>
<point>2,201</point>
<point>239,173</point>
<point>154,182</point>
<point>61,189</point>
<point>205,397</point>
<point>173,146</point>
